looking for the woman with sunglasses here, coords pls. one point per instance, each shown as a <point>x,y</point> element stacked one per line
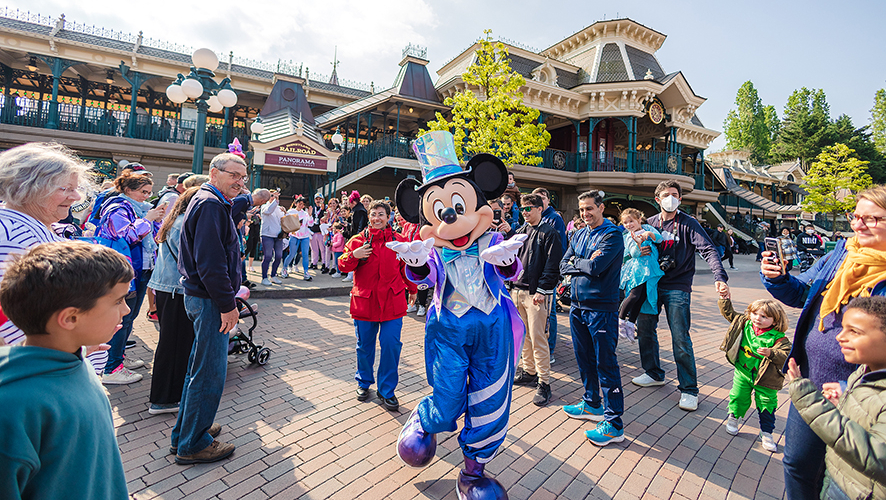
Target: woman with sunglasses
<point>856,267</point>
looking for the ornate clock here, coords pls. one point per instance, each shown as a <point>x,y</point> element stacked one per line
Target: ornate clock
<point>656,112</point>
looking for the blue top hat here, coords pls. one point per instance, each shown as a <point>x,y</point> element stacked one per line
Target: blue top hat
<point>436,155</point>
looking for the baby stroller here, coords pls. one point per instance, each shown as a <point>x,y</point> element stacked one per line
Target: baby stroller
<point>242,342</point>
<point>563,294</point>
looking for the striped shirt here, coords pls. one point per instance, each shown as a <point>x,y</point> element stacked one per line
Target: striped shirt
<point>18,233</point>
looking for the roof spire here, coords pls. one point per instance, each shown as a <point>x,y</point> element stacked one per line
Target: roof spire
<point>333,80</point>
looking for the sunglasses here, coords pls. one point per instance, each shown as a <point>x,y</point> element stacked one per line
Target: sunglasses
<point>526,210</point>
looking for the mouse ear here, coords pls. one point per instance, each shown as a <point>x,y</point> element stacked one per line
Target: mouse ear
<point>489,174</point>
<point>408,199</point>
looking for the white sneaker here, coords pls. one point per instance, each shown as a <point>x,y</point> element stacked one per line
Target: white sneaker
<point>121,377</point>
<point>411,308</point>
<point>767,441</point>
<point>276,280</point>
<point>284,274</point>
<point>422,310</point>
<point>688,402</point>
<point>266,282</point>
<point>553,359</point>
<point>347,279</point>
<point>132,364</point>
<point>646,381</point>
<point>732,424</point>
<point>335,275</point>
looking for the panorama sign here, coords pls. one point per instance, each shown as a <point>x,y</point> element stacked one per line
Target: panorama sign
<point>297,155</point>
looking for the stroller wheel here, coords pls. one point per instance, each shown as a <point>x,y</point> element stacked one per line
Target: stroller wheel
<point>253,353</point>
<point>263,356</point>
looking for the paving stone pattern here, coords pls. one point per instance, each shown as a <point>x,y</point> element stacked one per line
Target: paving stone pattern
<point>300,432</point>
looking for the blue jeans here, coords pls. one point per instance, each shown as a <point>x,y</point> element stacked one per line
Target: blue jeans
<point>298,244</point>
<point>676,305</point>
<point>803,459</point>
<point>205,381</point>
<point>272,250</point>
<point>118,341</point>
<point>721,251</point>
<point>552,326</point>
<point>388,333</point>
<point>594,337</point>
<point>335,256</point>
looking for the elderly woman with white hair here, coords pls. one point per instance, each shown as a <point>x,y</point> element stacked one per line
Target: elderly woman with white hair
<point>38,184</point>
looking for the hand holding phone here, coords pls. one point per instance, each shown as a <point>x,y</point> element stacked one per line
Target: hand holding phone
<point>775,253</point>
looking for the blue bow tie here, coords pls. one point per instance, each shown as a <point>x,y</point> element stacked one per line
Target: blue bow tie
<point>450,255</point>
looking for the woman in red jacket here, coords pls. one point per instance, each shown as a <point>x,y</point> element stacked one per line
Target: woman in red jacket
<point>378,303</point>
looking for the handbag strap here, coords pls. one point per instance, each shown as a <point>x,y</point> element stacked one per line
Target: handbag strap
<point>174,257</point>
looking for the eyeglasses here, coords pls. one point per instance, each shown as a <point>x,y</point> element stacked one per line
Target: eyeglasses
<point>244,178</point>
<point>68,190</point>
<point>870,221</point>
<point>526,210</point>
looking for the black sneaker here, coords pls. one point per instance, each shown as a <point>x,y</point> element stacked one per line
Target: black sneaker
<point>362,393</point>
<point>391,403</point>
<point>542,394</point>
<point>129,343</point>
<point>325,270</point>
<point>525,379</point>
<point>248,284</point>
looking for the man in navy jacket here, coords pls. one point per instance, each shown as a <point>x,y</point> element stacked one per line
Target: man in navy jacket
<point>209,260</point>
<point>593,259</point>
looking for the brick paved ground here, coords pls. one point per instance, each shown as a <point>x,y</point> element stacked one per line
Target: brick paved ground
<point>301,434</point>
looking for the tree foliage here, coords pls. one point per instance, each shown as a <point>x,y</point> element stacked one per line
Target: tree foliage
<point>859,139</point>
<point>750,127</point>
<point>878,121</point>
<point>489,115</point>
<point>804,128</point>
<point>833,180</point>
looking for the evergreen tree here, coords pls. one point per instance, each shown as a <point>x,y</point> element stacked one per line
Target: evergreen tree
<point>804,129</point>
<point>489,116</point>
<point>859,139</point>
<point>878,121</point>
<point>833,180</point>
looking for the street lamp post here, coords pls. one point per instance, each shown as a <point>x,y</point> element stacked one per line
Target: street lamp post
<point>207,94</point>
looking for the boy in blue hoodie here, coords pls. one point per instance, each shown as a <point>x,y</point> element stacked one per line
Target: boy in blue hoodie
<point>58,434</point>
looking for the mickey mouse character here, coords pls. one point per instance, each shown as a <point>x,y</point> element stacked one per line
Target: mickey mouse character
<point>473,332</point>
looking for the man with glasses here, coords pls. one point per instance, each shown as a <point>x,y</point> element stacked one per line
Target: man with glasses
<point>209,260</point>
<point>532,293</point>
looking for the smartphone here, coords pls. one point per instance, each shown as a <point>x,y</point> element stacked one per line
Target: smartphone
<point>774,245</point>
<point>496,216</point>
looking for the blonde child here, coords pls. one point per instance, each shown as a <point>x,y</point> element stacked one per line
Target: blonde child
<point>338,247</point>
<point>850,416</point>
<point>639,273</point>
<point>757,347</point>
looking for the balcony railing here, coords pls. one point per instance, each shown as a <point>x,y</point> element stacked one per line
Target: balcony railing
<point>114,123</point>
<point>361,155</point>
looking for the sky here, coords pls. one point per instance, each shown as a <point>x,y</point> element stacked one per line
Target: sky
<point>780,45</point>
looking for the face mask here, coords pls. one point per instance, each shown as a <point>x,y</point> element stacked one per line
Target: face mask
<point>669,204</point>
<point>811,231</point>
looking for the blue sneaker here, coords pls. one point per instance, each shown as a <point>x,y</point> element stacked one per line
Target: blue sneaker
<point>584,411</point>
<point>604,434</point>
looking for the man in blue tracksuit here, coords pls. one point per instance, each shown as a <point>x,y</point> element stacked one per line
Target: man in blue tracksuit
<point>553,219</point>
<point>594,259</point>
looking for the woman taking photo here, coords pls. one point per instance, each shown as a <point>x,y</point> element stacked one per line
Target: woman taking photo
<point>176,329</point>
<point>855,268</point>
<point>128,222</point>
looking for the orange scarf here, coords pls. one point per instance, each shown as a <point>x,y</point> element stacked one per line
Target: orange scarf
<point>862,269</point>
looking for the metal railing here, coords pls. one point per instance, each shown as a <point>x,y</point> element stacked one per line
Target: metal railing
<point>115,123</point>
<point>361,155</point>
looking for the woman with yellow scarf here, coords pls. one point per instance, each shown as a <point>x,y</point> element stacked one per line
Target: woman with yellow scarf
<point>855,268</point>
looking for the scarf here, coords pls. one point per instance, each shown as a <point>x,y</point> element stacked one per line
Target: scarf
<point>862,269</point>
<point>148,244</point>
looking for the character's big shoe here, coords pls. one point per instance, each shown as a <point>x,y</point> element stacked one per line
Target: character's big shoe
<point>474,485</point>
<point>415,447</point>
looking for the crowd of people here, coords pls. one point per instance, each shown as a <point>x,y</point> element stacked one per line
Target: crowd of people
<point>69,306</point>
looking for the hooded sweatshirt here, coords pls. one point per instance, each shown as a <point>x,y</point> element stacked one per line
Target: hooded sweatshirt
<point>58,434</point>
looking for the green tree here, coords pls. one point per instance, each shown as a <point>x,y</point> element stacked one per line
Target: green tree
<point>833,180</point>
<point>489,115</point>
<point>749,127</point>
<point>804,129</point>
<point>859,139</point>
<point>878,121</point>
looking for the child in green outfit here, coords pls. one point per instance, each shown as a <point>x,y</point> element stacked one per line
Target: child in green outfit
<point>757,347</point>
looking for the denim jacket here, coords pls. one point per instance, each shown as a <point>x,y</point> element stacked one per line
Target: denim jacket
<point>166,277</point>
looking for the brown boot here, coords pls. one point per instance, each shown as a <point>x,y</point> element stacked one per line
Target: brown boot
<point>212,453</point>
<point>214,431</point>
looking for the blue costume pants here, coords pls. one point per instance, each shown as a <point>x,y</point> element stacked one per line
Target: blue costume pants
<point>388,333</point>
<point>470,365</point>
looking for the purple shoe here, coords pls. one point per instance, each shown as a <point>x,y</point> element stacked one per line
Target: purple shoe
<point>474,485</point>
<point>415,447</point>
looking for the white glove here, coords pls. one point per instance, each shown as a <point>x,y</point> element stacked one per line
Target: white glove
<point>505,253</point>
<point>413,253</point>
